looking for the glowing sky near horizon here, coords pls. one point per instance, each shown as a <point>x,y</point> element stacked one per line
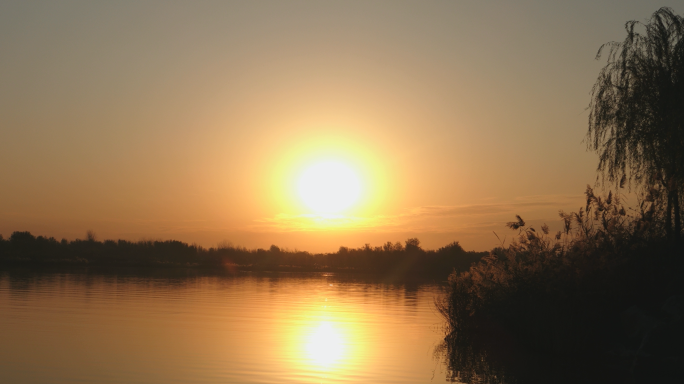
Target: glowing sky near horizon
<point>196,120</point>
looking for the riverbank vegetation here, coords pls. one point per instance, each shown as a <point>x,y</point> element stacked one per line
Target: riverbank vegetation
<point>609,287</point>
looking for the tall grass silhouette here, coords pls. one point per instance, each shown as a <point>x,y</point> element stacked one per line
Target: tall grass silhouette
<point>563,294</point>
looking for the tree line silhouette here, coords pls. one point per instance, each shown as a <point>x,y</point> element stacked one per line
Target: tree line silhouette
<point>390,258</point>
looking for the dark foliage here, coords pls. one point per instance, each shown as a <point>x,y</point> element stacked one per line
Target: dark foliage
<point>563,295</point>
<point>636,122</point>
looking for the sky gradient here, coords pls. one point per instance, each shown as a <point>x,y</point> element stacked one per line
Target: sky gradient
<point>194,120</point>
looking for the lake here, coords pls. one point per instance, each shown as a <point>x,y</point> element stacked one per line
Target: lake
<point>84,326</point>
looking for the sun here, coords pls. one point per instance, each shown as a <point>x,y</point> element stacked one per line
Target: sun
<point>329,187</point>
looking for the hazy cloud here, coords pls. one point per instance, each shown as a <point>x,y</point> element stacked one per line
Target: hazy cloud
<point>463,218</point>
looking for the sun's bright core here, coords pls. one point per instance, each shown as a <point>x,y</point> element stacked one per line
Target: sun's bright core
<point>329,187</point>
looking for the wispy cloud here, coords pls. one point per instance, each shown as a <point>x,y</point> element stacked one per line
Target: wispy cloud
<point>312,222</point>
<point>435,218</point>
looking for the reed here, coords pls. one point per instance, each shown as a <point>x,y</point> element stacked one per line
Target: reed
<point>562,293</point>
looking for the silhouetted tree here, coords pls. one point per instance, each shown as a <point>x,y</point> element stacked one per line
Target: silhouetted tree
<point>413,245</point>
<point>636,122</point>
<point>90,235</point>
<point>22,239</point>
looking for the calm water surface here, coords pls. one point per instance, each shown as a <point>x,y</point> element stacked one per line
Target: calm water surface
<point>81,327</point>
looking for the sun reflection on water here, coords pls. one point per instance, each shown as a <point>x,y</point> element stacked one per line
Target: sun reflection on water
<point>325,345</point>
<point>325,341</point>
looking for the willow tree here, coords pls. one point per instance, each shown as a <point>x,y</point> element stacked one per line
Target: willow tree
<point>636,120</point>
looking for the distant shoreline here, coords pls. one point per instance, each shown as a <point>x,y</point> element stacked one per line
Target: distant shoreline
<point>391,259</point>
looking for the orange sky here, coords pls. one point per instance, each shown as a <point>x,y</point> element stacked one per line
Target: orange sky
<point>195,120</point>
